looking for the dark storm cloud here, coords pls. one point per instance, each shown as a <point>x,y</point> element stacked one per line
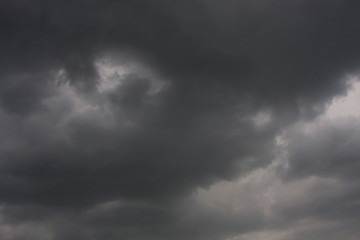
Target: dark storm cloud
<point>67,145</point>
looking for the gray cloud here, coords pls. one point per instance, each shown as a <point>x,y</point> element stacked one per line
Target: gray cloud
<point>331,150</point>
<point>113,113</point>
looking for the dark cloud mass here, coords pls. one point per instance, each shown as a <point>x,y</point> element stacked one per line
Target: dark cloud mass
<point>119,119</point>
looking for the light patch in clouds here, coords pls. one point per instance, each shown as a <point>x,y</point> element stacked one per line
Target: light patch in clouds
<point>348,105</point>
<point>262,119</point>
<point>67,104</point>
<point>24,231</point>
<point>112,73</point>
<point>340,107</point>
<point>293,233</point>
<point>264,189</point>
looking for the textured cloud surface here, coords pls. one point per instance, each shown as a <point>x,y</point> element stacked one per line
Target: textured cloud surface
<point>179,120</point>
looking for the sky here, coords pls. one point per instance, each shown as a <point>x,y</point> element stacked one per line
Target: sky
<point>183,120</point>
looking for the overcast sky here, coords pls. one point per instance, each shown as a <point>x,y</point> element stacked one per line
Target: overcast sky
<point>182,120</point>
